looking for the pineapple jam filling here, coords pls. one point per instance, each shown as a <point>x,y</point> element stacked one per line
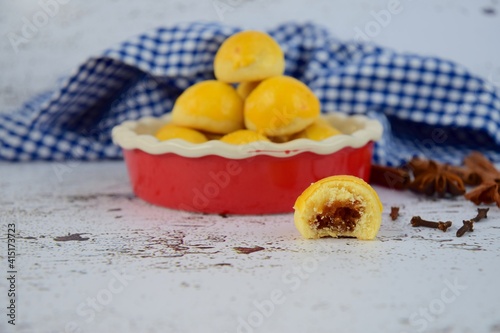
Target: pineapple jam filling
<point>339,217</point>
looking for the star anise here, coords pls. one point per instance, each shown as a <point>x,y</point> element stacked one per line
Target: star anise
<point>481,165</point>
<point>468,176</point>
<point>434,178</point>
<point>489,190</point>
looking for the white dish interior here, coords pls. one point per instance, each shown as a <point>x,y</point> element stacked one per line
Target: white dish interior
<point>357,131</point>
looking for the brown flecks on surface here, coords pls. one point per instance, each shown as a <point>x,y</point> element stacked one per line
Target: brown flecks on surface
<point>223,215</point>
<point>339,217</point>
<point>248,250</point>
<point>28,237</point>
<point>222,264</point>
<point>89,197</point>
<point>114,210</point>
<point>394,213</point>
<point>118,216</point>
<point>257,222</point>
<point>176,244</point>
<point>194,217</point>
<point>216,238</point>
<point>463,246</point>
<point>71,237</point>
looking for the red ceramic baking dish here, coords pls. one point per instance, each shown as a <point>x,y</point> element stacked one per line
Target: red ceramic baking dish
<point>257,178</point>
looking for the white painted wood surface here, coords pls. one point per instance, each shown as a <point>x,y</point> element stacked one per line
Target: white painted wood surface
<point>151,269</point>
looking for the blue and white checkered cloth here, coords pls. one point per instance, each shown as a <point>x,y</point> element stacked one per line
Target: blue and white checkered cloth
<point>429,106</point>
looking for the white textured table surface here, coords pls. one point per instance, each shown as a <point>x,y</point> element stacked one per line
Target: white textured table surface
<point>151,269</point>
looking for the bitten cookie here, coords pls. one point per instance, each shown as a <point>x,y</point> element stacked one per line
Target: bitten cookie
<point>338,206</point>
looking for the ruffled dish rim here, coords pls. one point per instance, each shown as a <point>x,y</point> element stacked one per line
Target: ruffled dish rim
<point>140,135</point>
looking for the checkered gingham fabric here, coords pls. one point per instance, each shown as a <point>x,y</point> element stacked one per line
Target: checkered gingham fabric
<point>429,106</point>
